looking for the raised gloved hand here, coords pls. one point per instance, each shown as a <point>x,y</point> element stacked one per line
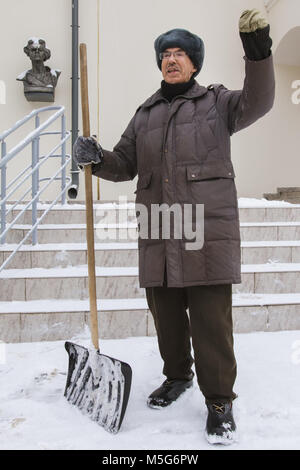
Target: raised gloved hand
<point>254,33</point>
<point>251,20</point>
<point>87,150</point>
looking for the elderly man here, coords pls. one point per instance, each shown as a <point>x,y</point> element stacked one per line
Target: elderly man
<point>178,143</point>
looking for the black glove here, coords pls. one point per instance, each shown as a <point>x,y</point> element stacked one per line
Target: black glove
<point>87,150</point>
<point>257,44</point>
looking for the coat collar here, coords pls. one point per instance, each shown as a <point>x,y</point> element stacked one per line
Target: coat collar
<point>194,92</point>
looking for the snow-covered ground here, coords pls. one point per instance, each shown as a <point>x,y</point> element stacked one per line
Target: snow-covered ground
<point>35,415</point>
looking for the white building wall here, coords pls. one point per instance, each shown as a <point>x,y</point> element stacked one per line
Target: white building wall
<point>264,155</point>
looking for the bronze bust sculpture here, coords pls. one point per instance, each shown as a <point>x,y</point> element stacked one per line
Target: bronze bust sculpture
<point>40,81</point>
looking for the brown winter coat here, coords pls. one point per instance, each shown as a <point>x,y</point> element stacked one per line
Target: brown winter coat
<point>181,154</point>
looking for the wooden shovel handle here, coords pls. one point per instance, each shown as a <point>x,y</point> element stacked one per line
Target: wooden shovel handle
<point>89,200</point>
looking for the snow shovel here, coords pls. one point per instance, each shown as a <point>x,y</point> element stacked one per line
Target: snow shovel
<point>98,385</point>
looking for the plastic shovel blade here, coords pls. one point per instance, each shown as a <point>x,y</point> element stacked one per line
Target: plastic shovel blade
<point>98,385</point>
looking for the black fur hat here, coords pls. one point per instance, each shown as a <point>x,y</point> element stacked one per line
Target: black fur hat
<point>190,43</point>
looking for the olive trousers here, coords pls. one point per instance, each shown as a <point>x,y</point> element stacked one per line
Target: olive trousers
<point>209,324</point>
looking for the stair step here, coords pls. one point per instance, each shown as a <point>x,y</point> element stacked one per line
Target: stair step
<point>76,213</point>
<point>272,231</point>
<point>126,254</point>
<point>71,254</point>
<point>120,233</point>
<point>53,320</point>
<point>61,283</point>
<point>250,210</point>
<point>261,252</point>
<point>121,282</point>
<point>75,233</point>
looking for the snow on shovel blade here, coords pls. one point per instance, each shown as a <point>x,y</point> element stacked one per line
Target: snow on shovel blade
<point>98,385</point>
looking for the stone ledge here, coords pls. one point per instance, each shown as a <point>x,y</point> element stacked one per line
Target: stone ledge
<point>32,327</point>
<point>288,194</point>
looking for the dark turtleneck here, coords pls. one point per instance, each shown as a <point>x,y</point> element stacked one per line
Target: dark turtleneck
<point>170,90</point>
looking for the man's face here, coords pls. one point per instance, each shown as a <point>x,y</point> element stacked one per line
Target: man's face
<point>177,69</point>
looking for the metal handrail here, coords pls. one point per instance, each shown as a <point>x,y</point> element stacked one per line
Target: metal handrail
<point>36,162</point>
<point>34,134</point>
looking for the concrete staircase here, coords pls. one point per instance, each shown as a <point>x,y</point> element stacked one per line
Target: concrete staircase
<point>43,292</point>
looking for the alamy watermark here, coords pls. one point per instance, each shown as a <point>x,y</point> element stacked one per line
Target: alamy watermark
<point>296,95</point>
<point>2,92</point>
<point>156,221</point>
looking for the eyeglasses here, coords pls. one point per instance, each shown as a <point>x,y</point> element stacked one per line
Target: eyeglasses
<point>168,54</point>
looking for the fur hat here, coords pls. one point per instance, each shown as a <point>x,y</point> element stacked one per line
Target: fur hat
<point>190,43</point>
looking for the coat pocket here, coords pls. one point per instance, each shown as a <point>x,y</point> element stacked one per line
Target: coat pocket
<point>214,187</point>
<point>200,173</point>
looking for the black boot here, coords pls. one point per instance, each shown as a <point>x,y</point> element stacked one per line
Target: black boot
<point>220,425</point>
<point>168,392</point>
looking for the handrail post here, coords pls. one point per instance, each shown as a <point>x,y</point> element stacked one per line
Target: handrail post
<point>35,180</point>
<point>3,193</point>
<point>63,159</point>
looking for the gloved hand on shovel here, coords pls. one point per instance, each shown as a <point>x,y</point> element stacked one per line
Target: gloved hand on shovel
<point>254,33</point>
<point>87,150</point>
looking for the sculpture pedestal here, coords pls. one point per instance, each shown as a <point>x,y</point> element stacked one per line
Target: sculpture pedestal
<point>40,96</point>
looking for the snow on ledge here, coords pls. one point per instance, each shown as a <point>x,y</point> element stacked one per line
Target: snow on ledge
<point>248,203</point>
<point>118,246</point>
<point>70,305</point>
<point>71,271</point>
<point>243,203</point>
<point>74,206</point>
<point>82,271</point>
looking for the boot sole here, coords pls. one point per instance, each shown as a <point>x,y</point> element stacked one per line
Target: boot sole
<point>158,407</point>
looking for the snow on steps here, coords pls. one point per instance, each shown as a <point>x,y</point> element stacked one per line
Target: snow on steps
<point>250,210</point>
<point>125,254</point>
<point>122,232</point>
<point>270,233</point>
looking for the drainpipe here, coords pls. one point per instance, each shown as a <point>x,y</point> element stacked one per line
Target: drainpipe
<point>73,190</point>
